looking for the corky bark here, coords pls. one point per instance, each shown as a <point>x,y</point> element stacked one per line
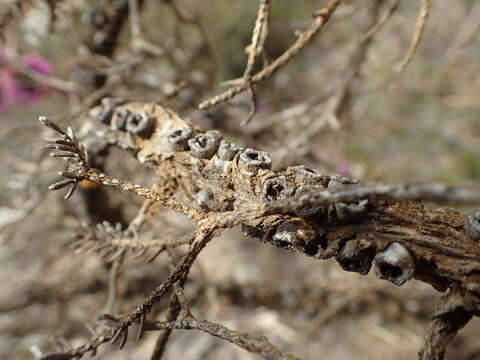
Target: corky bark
<point>220,185</point>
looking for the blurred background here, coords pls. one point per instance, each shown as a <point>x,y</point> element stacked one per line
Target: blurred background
<point>338,107</point>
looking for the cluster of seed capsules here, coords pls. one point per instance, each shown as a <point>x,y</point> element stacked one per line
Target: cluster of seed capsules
<point>218,175</point>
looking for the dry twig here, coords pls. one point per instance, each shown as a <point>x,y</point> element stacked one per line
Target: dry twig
<point>417,36</point>
<point>321,17</point>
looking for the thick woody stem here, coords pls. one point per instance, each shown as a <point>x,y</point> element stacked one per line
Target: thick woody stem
<point>451,315</point>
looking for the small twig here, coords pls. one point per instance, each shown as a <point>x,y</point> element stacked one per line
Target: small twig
<point>113,286</point>
<point>82,171</point>
<point>138,42</point>
<point>438,193</point>
<point>254,344</point>
<point>417,35</point>
<point>103,241</point>
<point>253,105</point>
<point>46,80</point>
<point>174,309</point>
<point>340,103</point>
<point>381,23</point>
<point>134,19</point>
<point>260,33</point>
<point>321,17</point>
<point>120,330</point>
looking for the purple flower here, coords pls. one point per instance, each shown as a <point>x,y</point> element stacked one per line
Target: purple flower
<point>38,64</point>
<point>344,168</point>
<point>15,88</point>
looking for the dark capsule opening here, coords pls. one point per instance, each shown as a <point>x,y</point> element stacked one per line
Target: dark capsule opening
<point>282,243</point>
<point>140,124</point>
<point>350,264</point>
<point>274,190</point>
<point>202,141</point>
<point>176,133</point>
<point>354,258</point>
<point>390,271</point>
<point>135,120</point>
<point>252,155</point>
<point>311,249</point>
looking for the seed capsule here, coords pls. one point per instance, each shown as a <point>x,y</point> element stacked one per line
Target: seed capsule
<point>119,119</point>
<point>178,138</point>
<point>294,234</point>
<point>306,176</point>
<point>356,256</point>
<point>252,231</point>
<point>204,199</point>
<point>140,124</point>
<point>276,188</point>
<point>204,146</point>
<point>472,226</point>
<point>106,112</point>
<point>108,107</point>
<point>252,160</point>
<point>345,212</point>
<point>394,264</point>
<point>351,211</point>
<point>227,151</point>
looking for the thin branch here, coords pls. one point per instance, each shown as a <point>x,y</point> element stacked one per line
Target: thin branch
<point>178,306</point>
<point>45,80</point>
<point>340,103</point>
<point>174,309</point>
<point>260,33</point>
<point>100,178</point>
<point>255,344</point>
<point>113,286</point>
<point>438,193</point>
<point>259,36</point>
<point>417,35</point>
<point>120,330</point>
<point>134,19</point>
<point>381,23</point>
<point>138,42</point>
<point>321,17</point>
<point>105,240</point>
<point>81,170</point>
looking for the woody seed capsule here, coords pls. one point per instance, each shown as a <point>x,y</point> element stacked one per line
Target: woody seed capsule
<point>227,151</point>
<point>140,124</point>
<point>178,138</point>
<point>253,160</point>
<point>394,264</point>
<point>204,146</point>
<point>472,226</point>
